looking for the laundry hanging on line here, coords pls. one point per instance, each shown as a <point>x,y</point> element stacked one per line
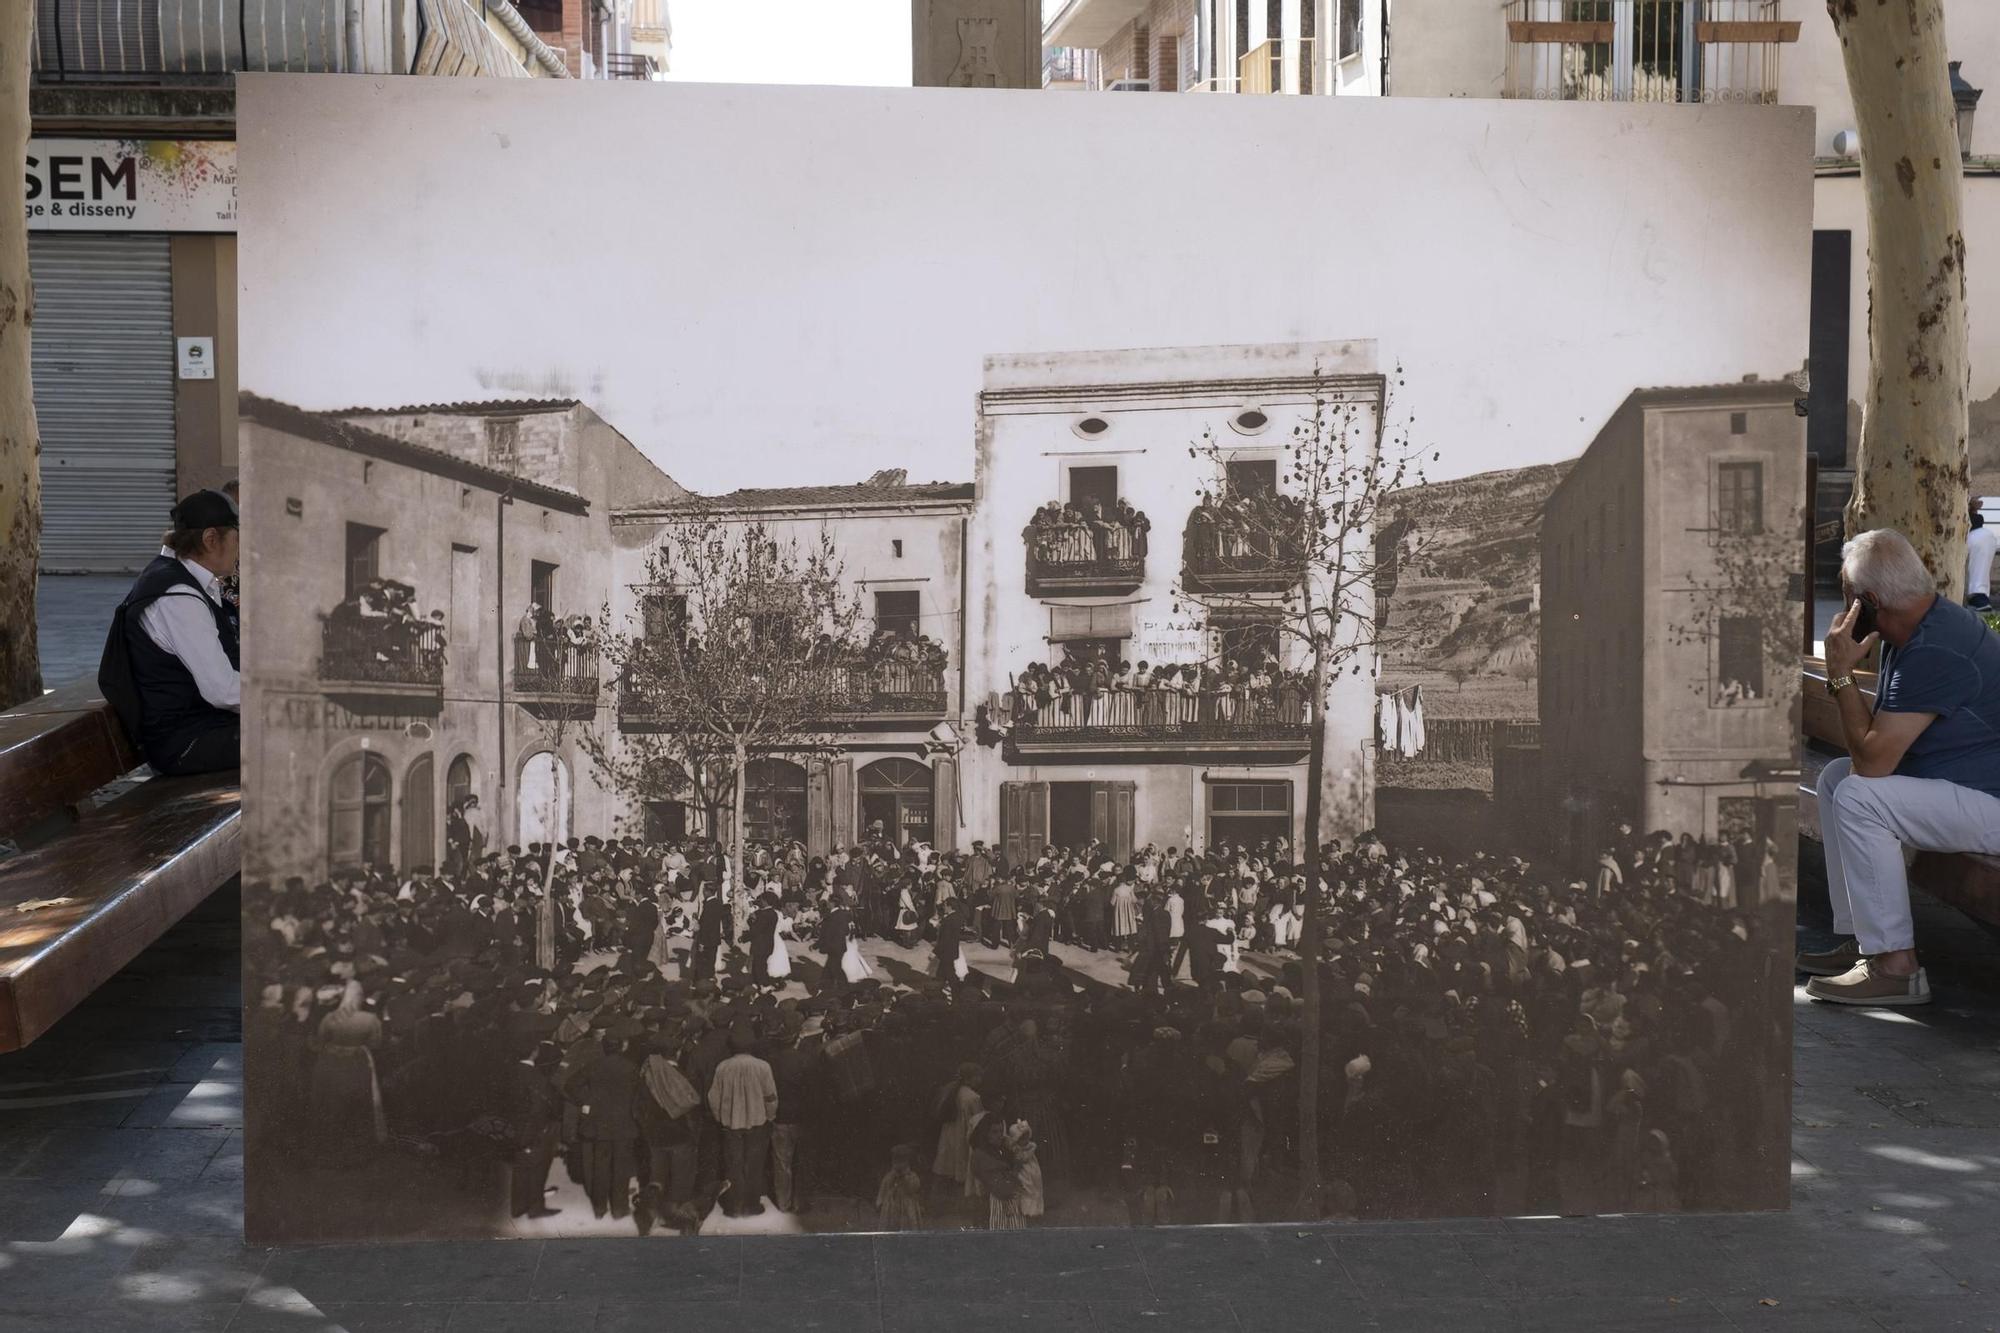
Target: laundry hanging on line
<point>1400,721</point>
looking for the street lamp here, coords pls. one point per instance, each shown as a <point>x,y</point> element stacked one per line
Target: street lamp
<point>1965,98</point>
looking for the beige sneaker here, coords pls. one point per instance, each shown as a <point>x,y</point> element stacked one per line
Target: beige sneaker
<point>1862,984</point>
<point>1834,962</point>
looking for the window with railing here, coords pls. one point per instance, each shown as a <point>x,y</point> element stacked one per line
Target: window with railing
<point>1645,50</point>
<point>1100,698</point>
<point>1087,543</point>
<point>363,642</point>
<point>554,664</point>
<point>1245,538</point>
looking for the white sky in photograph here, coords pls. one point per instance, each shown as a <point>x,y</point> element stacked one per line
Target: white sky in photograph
<point>791,41</point>
<point>781,285</point>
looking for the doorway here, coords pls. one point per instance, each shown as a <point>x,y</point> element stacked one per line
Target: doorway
<point>1244,814</point>
<point>1069,814</point>
<point>897,794</point>
<point>666,821</point>
<point>419,818</point>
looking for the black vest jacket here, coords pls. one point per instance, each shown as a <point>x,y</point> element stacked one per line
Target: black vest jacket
<point>153,691</point>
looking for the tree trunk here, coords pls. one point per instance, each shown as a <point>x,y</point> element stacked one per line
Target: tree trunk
<point>1911,470</point>
<point>1310,1200</point>
<point>736,822</point>
<point>20,445</point>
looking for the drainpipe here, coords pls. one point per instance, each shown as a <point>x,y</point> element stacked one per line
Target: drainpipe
<point>962,576</point>
<point>354,37</point>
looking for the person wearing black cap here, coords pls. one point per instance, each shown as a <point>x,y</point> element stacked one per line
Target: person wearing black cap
<point>171,664</point>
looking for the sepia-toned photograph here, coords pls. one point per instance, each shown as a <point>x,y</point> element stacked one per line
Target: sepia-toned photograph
<point>752,729</point>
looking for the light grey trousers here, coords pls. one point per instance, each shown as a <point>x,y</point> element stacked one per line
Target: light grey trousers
<point>1867,822</point>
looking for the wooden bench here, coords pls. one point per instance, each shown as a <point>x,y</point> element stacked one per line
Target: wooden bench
<point>93,884</point>
<point>1968,882</point>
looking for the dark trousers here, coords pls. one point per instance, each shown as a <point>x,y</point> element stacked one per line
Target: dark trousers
<point>670,1169</point>
<point>1149,968</point>
<point>529,1174</point>
<point>214,751</point>
<point>702,964</point>
<point>745,1153</point>
<point>608,1168</point>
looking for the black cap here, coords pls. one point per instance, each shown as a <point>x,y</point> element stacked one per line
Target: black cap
<point>204,509</point>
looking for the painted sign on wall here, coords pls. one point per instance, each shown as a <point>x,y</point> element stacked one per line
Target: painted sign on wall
<point>131,185</point>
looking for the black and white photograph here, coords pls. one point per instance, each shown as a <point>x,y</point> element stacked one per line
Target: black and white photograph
<point>752,729</point>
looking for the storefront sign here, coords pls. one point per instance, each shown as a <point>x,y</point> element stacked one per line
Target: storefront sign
<point>131,185</point>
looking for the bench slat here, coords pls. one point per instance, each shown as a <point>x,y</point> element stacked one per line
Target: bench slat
<point>128,872</point>
<point>55,760</point>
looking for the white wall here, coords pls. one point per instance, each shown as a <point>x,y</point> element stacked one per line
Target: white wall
<point>836,262</point>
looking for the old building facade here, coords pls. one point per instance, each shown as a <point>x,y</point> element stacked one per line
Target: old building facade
<point>1670,621</point>
<point>1120,434</point>
<point>395,663</point>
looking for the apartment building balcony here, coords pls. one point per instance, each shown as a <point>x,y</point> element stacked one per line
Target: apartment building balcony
<point>902,694</point>
<point>205,42</point>
<point>375,659</point>
<point>1645,50</point>
<point>1069,68</point>
<point>631,65</point>
<point>1243,545</point>
<point>1262,68</point>
<point>1274,723</point>
<point>554,676</point>
<point>1080,560</point>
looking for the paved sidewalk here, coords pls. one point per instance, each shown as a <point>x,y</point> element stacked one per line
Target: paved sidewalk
<point>72,616</point>
<point>121,1210</point>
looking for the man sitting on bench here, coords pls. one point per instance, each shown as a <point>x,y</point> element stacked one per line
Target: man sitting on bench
<point>1922,770</point>
<point>171,662</point>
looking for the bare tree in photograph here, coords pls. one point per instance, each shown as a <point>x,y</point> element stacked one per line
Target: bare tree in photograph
<point>1910,470</point>
<point>20,447</point>
<point>1298,550</point>
<point>745,646</point>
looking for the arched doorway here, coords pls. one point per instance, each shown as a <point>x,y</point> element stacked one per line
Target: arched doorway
<point>420,816</point>
<point>464,838</point>
<point>774,801</point>
<point>458,781</point>
<point>357,819</point>
<point>542,801</point>
<point>897,793</point>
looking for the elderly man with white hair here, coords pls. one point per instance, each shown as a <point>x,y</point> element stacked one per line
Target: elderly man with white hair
<point>1923,768</point>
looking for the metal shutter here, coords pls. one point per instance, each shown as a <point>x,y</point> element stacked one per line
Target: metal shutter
<point>104,397</point>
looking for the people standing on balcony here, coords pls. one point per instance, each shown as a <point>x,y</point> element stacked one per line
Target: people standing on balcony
<point>170,665</point>
<point>1086,533</point>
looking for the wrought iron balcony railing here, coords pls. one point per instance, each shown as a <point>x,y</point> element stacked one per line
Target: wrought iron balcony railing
<point>359,653</point>
<point>555,667</point>
<point>1645,50</point>
<point>1218,557</point>
<point>883,689</point>
<point>1070,558</point>
<point>1278,716</point>
<point>630,65</point>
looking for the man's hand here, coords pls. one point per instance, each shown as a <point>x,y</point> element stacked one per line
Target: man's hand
<point>1843,654</point>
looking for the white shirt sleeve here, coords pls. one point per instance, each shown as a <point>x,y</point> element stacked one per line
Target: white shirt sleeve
<point>181,623</point>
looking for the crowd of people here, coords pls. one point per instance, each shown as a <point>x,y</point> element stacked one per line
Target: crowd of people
<point>1091,688</point>
<point>1246,525</point>
<point>379,623</point>
<point>1495,1036</point>
<point>1083,532</point>
<point>549,640</point>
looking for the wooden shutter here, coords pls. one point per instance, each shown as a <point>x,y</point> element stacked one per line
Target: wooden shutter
<point>1013,823</point>
<point>842,791</point>
<point>819,808</point>
<point>944,805</point>
<point>343,826</point>
<point>1100,812</point>
<point>1122,797</point>
<point>1035,803</point>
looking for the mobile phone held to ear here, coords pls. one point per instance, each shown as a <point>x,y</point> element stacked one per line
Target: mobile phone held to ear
<point>1864,622</point>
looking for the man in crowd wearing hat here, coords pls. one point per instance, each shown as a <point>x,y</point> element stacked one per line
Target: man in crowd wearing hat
<point>171,661</point>
<point>763,938</point>
<point>744,1100</point>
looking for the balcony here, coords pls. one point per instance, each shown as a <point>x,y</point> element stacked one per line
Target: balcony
<point>1069,67</point>
<point>381,659</point>
<point>1071,555</point>
<point>1645,50</point>
<point>1262,68</point>
<point>904,693</point>
<point>554,676</point>
<point>1243,545</point>
<point>630,65</point>
<point>205,42</point>
<point>1276,721</point>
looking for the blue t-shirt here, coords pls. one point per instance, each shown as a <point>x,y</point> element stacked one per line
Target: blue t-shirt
<point>1950,667</point>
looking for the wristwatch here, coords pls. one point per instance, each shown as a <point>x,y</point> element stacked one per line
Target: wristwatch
<point>1837,684</point>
